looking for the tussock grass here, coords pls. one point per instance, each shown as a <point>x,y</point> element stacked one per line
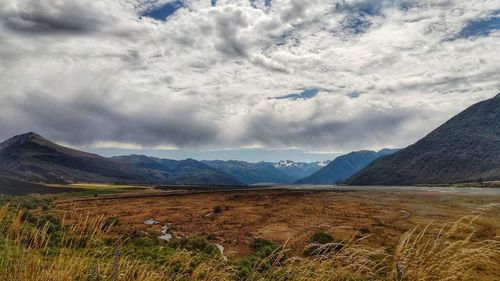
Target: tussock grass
<point>84,251</point>
<point>451,252</point>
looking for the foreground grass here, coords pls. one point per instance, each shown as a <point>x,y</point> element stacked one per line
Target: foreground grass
<point>42,247</point>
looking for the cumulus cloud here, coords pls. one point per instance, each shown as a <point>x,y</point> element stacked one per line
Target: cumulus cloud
<point>221,74</point>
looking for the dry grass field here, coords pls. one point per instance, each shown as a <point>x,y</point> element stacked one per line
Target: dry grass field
<point>291,216</point>
<point>111,232</point>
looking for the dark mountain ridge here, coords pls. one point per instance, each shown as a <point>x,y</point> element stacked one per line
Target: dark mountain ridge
<point>30,157</point>
<point>464,149</point>
<point>344,167</point>
<point>188,171</point>
<point>36,159</point>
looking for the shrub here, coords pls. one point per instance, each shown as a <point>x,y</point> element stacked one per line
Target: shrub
<point>321,237</point>
<point>322,242</point>
<point>195,244</point>
<point>217,209</point>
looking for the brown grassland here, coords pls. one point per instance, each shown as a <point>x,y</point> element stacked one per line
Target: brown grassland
<point>292,215</point>
<point>267,234</point>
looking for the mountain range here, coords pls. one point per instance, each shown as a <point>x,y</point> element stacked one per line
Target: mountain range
<point>464,149</point>
<point>30,157</point>
<point>298,170</point>
<point>187,171</point>
<point>282,172</point>
<point>251,173</point>
<point>35,159</point>
<point>344,167</point>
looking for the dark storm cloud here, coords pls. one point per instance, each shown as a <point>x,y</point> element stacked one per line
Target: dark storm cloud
<point>371,128</point>
<point>228,25</point>
<point>53,17</point>
<point>89,117</point>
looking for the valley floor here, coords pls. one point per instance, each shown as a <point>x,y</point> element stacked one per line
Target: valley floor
<point>289,215</point>
<point>118,232</point>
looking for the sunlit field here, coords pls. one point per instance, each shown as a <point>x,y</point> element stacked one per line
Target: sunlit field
<point>258,235</point>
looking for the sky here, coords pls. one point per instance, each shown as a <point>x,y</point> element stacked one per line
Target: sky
<point>252,80</point>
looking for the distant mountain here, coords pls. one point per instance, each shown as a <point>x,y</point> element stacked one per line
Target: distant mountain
<point>31,158</point>
<point>187,171</point>
<point>344,167</point>
<point>464,149</point>
<point>251,173</point>
<point>298,170</point>
<point>387,151</point>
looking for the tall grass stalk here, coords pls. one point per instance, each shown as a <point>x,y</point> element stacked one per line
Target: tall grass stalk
<point>448,253</point>
<point>81,251</point>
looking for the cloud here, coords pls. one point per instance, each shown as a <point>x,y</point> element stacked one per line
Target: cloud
<point>52,16</point>
<point>214,74</point>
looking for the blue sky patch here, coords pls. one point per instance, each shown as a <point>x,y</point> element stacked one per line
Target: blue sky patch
<point>480,27</point>
<point>304,95</point>
<point>163,12</point>
<point>354,94</point>
<point>356,24</point>
<point>371,8</point>
<point>267,3</point>
<point>213,3</point>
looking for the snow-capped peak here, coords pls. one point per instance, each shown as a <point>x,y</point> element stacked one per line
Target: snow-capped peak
<point>286,163</point>
<point>289,163</point>
<point>322,163</point>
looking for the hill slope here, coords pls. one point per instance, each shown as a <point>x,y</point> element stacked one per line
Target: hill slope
<point>343,167</point>
<point>33,158</point>
<point>464,149</point>
<point>187,171</point>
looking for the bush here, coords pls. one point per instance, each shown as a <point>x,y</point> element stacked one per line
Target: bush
<point>321,237</point>
<point>260,243</point>
<point>322,242</point>
<point>217,209</point>
<point>196,244</point>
